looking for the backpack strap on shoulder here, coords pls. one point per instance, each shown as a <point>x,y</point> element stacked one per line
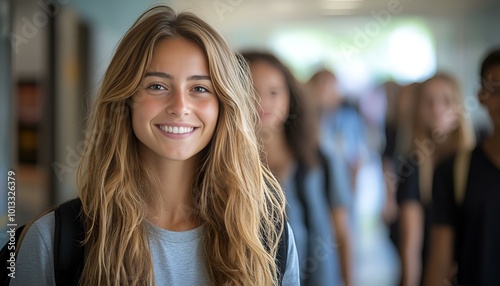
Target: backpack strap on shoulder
<point>461,174</point>
<point>300,187</point>
<point>326,169</point>
<point>68,243</point>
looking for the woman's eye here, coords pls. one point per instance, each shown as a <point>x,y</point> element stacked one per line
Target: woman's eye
<point>155,87</point>
<point>200,89</point>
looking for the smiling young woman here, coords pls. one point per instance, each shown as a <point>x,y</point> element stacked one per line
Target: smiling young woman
<point>175,193</point>
<point>175,110</point>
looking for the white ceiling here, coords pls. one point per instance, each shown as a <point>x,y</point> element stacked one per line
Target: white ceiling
<point>272,10</point>
<point>121,13</point>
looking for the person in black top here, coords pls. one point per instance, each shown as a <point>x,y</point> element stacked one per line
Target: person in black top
<point>466,227</point>
<point>438,131</point>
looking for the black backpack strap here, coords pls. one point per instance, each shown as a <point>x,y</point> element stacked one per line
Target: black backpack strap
<point>300,187</point>
<point>68,247</point>
<point>326,168</point>
<point>282,255</point>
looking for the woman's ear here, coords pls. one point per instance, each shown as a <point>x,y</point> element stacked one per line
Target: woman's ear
<point>483,94</point>
<point>490,86</point>
<point>480,95</point>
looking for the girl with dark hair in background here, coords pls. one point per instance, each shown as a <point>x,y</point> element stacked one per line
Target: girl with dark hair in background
<point>290,137</point>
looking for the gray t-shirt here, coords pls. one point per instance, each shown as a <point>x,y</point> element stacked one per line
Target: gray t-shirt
<point>177,256</point>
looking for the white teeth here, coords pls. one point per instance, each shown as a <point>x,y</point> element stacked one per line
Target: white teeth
<point>176,130</point>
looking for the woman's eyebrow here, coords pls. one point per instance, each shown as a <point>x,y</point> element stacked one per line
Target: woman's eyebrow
<point>159,74</point>
<point>199,77</point>
<point>169,76</point>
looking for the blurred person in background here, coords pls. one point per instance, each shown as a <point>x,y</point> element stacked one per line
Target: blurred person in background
<point>290,137</point>
<point>439,130</point>
<point>342,129</point>
<point>344,135</point>
<point>392,91</point>
<point>339,181</point>
<point>398,126</point>
<point>466,198</point>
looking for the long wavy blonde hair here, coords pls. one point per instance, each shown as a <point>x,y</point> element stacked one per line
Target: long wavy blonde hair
<point>237,198</point>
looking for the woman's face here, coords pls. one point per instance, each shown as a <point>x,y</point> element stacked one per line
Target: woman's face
<point>175,110</point>
<point>438,107</point>
<point>272,89</point>
<point>327,93</point>
<point>490,94</point>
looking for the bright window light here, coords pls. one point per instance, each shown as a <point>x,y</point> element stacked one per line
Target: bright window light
<point>410,54</point>
<point>299,47</point>
<point>301,50</point>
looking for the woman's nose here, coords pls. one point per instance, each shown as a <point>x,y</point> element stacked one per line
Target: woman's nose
<point>178,103</point>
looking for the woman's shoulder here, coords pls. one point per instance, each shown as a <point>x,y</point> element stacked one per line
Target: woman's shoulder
<point>41,231</point>
<point>45,220</point>
<point>34,262</point>
<point>291,274</point>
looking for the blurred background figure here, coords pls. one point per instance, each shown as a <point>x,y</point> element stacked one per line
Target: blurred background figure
<point>392,92</point>
<point>398,125</point>
<point>440,128</point>
<point>290,138</point>
<point>325,95</point>
<point>356,139</point>
<point>466,201</point>
<point>342,130</point>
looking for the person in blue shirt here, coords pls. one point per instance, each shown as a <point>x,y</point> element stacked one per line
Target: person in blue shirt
<point>342,127</point>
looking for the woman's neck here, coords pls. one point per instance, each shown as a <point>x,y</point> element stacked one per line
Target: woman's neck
<point>446,148</point>
<point>491,147</point>
<point>172,206</point>
<point>279,156</point>
<point>432,151</point>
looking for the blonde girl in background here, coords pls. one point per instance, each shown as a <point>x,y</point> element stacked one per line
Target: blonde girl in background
<point>440,128</point>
